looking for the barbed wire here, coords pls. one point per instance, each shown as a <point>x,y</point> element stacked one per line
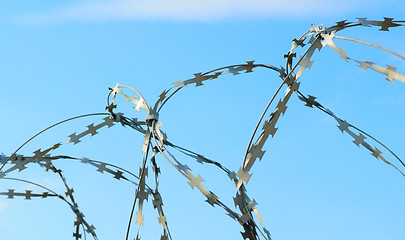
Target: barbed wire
<point>155,139</point>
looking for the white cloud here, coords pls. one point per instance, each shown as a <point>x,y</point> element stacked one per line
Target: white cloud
<point>3,206</point>
<point>186,10</point>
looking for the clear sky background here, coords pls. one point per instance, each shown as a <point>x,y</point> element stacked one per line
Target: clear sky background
<point>58,59</point>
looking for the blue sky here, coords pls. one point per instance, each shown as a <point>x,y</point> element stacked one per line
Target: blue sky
<point>60,57</point>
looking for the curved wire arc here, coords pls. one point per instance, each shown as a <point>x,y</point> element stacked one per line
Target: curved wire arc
<point>215,70</point>
<point>363,132</point>
<point>54,125</point>
<point>270,102</point>
<point>106,163</point>
<point>33,183</point>
<point>371,44</point>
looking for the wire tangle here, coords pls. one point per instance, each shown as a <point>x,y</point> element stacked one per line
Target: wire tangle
<point>156,141</point>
